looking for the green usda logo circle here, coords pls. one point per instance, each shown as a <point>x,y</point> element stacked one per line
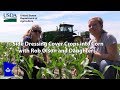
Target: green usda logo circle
<point>10,17</point>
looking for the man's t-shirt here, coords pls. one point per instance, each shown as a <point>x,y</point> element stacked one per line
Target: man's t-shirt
<point>105,40</point>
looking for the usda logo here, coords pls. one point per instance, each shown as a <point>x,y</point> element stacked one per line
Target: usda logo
<point>10,17</point>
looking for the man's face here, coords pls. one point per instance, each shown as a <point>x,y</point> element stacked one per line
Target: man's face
<point>94,27</point>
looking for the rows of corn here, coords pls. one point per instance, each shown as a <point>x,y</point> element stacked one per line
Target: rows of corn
<point>61,65</point>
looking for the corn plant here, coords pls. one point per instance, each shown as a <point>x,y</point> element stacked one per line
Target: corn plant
<point>61,64</point>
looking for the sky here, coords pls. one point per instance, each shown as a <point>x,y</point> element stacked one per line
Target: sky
<point>48,20</point>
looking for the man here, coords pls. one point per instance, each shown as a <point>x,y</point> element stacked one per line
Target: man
<point>103,55</point>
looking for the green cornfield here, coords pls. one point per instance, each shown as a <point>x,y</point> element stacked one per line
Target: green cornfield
<point>62,64</point>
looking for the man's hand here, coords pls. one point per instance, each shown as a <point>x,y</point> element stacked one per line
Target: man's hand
<point>97,55</point>
<point>90,57</point>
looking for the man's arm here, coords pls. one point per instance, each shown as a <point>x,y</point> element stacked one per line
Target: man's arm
<point>112,53</point>
<point>90,57</point>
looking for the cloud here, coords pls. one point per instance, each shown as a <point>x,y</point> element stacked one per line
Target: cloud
<point>113,27</point>
<point>54,14</point>
<point>58,14</point>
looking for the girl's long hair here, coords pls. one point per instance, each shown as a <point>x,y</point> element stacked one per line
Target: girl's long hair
<point>28,33</point>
